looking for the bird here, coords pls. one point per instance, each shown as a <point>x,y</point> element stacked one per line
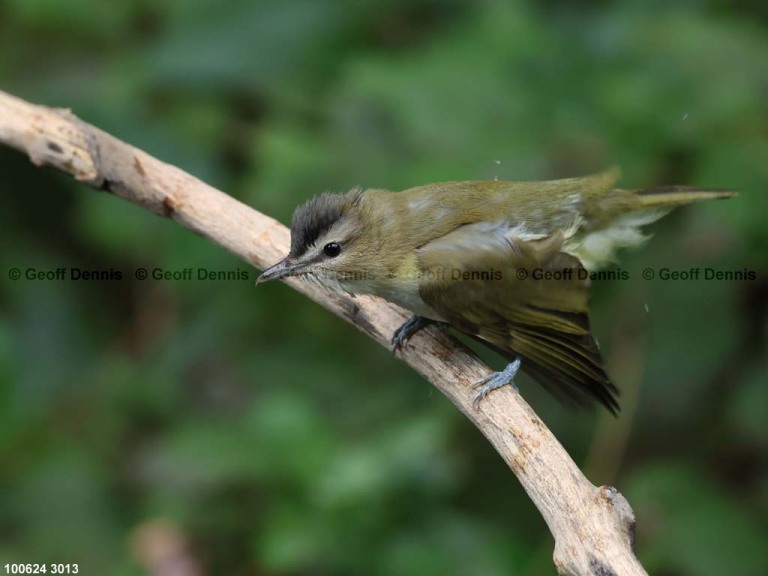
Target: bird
<point>506,263</point>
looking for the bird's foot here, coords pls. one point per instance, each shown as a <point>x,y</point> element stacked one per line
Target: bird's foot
<point>408,329</point>
<point>496,380</point>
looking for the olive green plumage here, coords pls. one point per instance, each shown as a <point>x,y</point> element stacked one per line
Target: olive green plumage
<point>488,258</point>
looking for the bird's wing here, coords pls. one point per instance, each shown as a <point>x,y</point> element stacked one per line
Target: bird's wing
<point>544,206</point>
<point>491,285</point>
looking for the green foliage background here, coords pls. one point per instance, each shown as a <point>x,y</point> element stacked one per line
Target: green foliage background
<point>272,437</point>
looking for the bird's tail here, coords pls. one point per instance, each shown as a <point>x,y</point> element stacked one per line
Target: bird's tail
<point>671,196</point>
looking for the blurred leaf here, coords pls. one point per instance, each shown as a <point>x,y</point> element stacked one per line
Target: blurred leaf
<point>241,43</point>
<point>86,18</point>
<point>691,527</point>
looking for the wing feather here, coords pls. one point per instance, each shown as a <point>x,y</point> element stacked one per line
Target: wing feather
<point>492,286</point>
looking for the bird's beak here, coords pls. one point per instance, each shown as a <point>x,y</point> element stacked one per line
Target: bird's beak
<point>282,269</point>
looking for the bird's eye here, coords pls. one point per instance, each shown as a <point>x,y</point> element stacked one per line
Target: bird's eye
<point>332,249</point>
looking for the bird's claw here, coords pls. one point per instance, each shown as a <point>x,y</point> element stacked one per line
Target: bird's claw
<point>408,329</point>
<point>496,380</point>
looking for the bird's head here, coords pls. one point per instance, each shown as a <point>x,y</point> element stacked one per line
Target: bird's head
<point>328,242</point>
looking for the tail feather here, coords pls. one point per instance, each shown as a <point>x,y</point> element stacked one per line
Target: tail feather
<point>671,196</point>
<point>624,214</point>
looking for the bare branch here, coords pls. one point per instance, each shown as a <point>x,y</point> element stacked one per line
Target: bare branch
<point>593,526</point>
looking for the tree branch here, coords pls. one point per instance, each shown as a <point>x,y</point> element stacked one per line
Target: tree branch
<point>593,526</point>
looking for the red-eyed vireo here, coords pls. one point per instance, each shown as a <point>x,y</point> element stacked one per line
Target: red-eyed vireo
<point>490,258</point>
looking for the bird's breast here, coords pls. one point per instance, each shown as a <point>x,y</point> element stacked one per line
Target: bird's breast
<point>399,288</point>
<point>407,296</point>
